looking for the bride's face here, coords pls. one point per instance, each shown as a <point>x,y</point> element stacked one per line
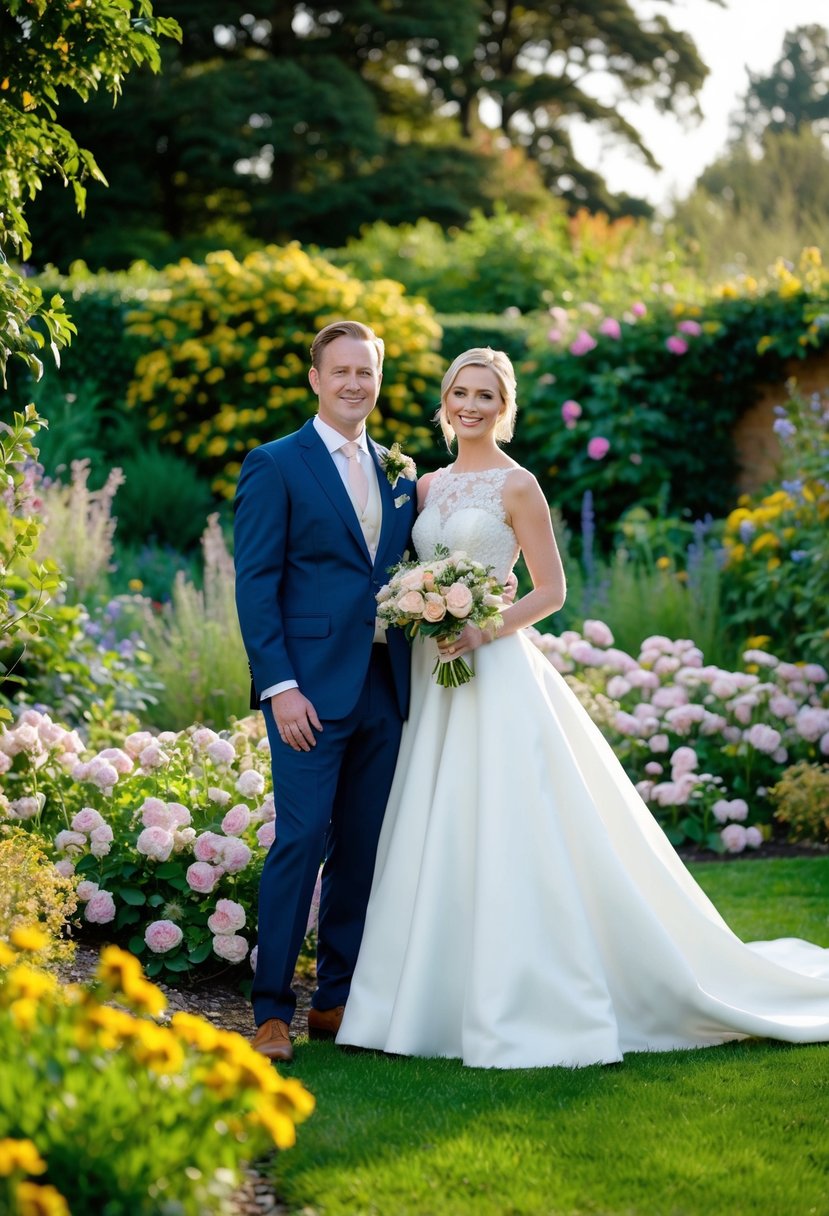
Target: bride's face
<point>473,403</point>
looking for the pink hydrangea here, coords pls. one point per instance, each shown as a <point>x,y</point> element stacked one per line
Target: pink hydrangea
<point>684,760</point>
<point>611,328</point>
<point>764,738</point>
<point>86,819</point>
<point>162,936</point>
<point>236,820</point>
<point>653,768</point>
<point>617,686</point>
<point>811,722</point>
<point>597,632</point>
<point>203,737</point>
<point>598,447</point>
<point>638,308</point>
<point>100,909</point>
<point>221,751</point>
<point>220,797</point>
<point>267,810</point>
<point>754,838</point>
<point>231,947</point>
<point>733,837</point>
<point>229,917</point>
<point>659,743</point>
<point>155,843</point>
<point>571,411</point>
<point>725,809</point>
<point>676,345</point>
<point>5,762</point>
<point>202,877</point>
<point>153,757</point>
<point>690,327</point>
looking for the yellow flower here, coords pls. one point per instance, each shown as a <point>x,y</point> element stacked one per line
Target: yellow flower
<point>24,1013</point>
<point>20,1156</point>
<point>28,100</point>
<point>29,937</point>
<point>135,584</point>
<point>279,1125</point>
<point>196,1031</point>
<point>764,343</point>
<point>117,967</point>
<point>157,1048</point>
<point>772,563</point>
<point>34,1200</point>
<point>759,642</point>
<point>766,540</point>
<point>7,955</point>
<point>30,984</point>
<point>663,563</point>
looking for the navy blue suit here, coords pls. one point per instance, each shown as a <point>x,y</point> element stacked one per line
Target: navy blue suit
<point>305,594</point>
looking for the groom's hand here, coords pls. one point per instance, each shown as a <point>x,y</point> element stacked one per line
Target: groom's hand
<point>296,719</point>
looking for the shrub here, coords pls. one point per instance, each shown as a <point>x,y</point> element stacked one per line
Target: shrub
<point>33,893</point>
<point>163,499</point>
<point>776,578</point>
<point>625,404</point>
<point>801,801</point>
<point>130,1117</point>
<point>79,528</point>
<point>226,358</point>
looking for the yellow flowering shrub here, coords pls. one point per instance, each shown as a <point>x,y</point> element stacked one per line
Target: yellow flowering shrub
<point>32,892</point>
<point>226,360</point>
<point>801,801</point>
<point>127,1115</point>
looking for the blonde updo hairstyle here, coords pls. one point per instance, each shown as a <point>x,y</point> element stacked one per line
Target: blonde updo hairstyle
<point>499,363</point>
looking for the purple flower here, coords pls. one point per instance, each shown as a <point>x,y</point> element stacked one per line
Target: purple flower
<point>570,411</point>
<point>598,447</point>
<point>676,345</point>
<point>582,343</point>
<point>690,327</point>
<point>784,428</point>
<point>611,328</point>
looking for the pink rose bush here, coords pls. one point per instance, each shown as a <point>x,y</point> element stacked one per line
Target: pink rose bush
<point>172,861</point>
<point>703,745</point>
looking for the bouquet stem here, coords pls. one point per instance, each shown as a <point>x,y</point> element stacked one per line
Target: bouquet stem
<point>453,673</point>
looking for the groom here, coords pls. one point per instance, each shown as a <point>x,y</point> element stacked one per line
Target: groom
<point>319,519</point>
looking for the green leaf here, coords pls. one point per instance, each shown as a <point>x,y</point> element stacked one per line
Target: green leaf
<point>200,953</point>
<point>153,967</point>
<point>168,869</point>
<point>179,963</point>
<point>132,895</point>
<point>127,916</point>
<point>136,945</point>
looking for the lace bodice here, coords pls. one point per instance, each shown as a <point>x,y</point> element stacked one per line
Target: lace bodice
<point>466,511</point>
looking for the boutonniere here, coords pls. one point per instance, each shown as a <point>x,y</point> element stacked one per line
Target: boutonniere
<point>401,500</point>
<point>397,464</point>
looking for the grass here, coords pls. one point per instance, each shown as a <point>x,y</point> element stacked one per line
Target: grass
<point>726,1131</point>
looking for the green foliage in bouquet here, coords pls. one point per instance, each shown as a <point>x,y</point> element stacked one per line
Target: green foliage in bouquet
<point>625,404</point>
<point>801,801</point>
<point>120,1114</point>
<point>226,354</point>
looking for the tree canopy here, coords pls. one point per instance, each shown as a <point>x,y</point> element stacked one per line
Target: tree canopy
<point>307,120</point>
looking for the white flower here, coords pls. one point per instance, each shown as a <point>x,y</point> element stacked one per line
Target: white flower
<point>230,946</point>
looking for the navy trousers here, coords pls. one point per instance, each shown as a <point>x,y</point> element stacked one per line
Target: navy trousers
<point>329,804</point>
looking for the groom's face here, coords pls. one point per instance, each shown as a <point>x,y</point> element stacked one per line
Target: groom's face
<point>347,383</point>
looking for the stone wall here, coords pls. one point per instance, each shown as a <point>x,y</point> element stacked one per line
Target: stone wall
<point>758,448</point>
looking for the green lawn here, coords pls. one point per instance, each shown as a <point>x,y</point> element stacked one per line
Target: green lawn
<point>731,1130</point>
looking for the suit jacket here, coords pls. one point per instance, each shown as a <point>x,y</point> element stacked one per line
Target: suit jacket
<point>305,580</point>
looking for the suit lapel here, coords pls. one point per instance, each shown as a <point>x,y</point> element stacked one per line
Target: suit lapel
<point>319,461</point>
<point>390,511</point>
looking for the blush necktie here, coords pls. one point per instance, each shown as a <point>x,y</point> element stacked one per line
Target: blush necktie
<point>357,479</point>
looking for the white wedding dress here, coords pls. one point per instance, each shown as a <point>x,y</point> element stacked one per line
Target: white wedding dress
<point>526,908</point>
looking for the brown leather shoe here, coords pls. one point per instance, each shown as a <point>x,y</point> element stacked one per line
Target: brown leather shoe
<point>273,1041</point>
<point>324,1023</point>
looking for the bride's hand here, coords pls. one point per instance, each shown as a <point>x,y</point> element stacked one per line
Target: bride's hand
<point>470,639</point>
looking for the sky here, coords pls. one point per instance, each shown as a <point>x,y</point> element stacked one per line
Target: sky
<point>743,34</point>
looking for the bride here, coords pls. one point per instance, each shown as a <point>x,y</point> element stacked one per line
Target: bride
<point>526,908</point>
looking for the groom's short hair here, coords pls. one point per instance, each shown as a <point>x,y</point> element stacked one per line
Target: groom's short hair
<point>345,329</point>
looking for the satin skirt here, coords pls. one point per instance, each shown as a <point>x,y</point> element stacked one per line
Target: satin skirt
<point>526,908</point>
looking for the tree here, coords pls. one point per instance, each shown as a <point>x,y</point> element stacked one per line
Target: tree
<point>310,120</point>
<point>795,94</point>
<point>47,49</point>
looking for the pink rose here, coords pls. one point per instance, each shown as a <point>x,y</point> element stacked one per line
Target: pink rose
<point>162,935</point>
<point>86,819</point>
<point>251,784</point>
<point>153,757</point>
<point>235,855</point>
<point>582,343</point>
<point>202,877</point>
<point>86,889</point>
<point>179,814</point>
<point>434,608</point>
<point>155,814</point>
<point>100,840</point>
<point>459,600</point>
<point>690,327</point>
<point>135,743</point>
<point>69,842</point>
<point>229,917</point>
<point>266,835</point>
<point>570,412</point>
<point>100,909</point>
<point>26,807</point>
<point>638,309</point>
<point>236,820</point>
<point>155,843</point>
<point>611,328</point>
<point>598,447</point>
<point>412,580</point>
<point>676,345</point>
<point>65,867</point>
<point>208,847</point>
<point>119,759</point>
<point>231,947</point>
<point>411,603</point>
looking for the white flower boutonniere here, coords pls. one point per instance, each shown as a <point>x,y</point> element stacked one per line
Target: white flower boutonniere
<point>401,500</point>
<point>397,464</point>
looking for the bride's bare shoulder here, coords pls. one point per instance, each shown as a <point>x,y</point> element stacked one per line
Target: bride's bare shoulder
<point>423,484</point>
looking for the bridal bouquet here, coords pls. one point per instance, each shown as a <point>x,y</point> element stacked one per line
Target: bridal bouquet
<point>436,599</point>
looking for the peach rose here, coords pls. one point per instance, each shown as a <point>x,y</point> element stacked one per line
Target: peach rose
<point>459,600</point>
<point>412,580</point>
<point>411,603</point>
<point>434,609</point>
